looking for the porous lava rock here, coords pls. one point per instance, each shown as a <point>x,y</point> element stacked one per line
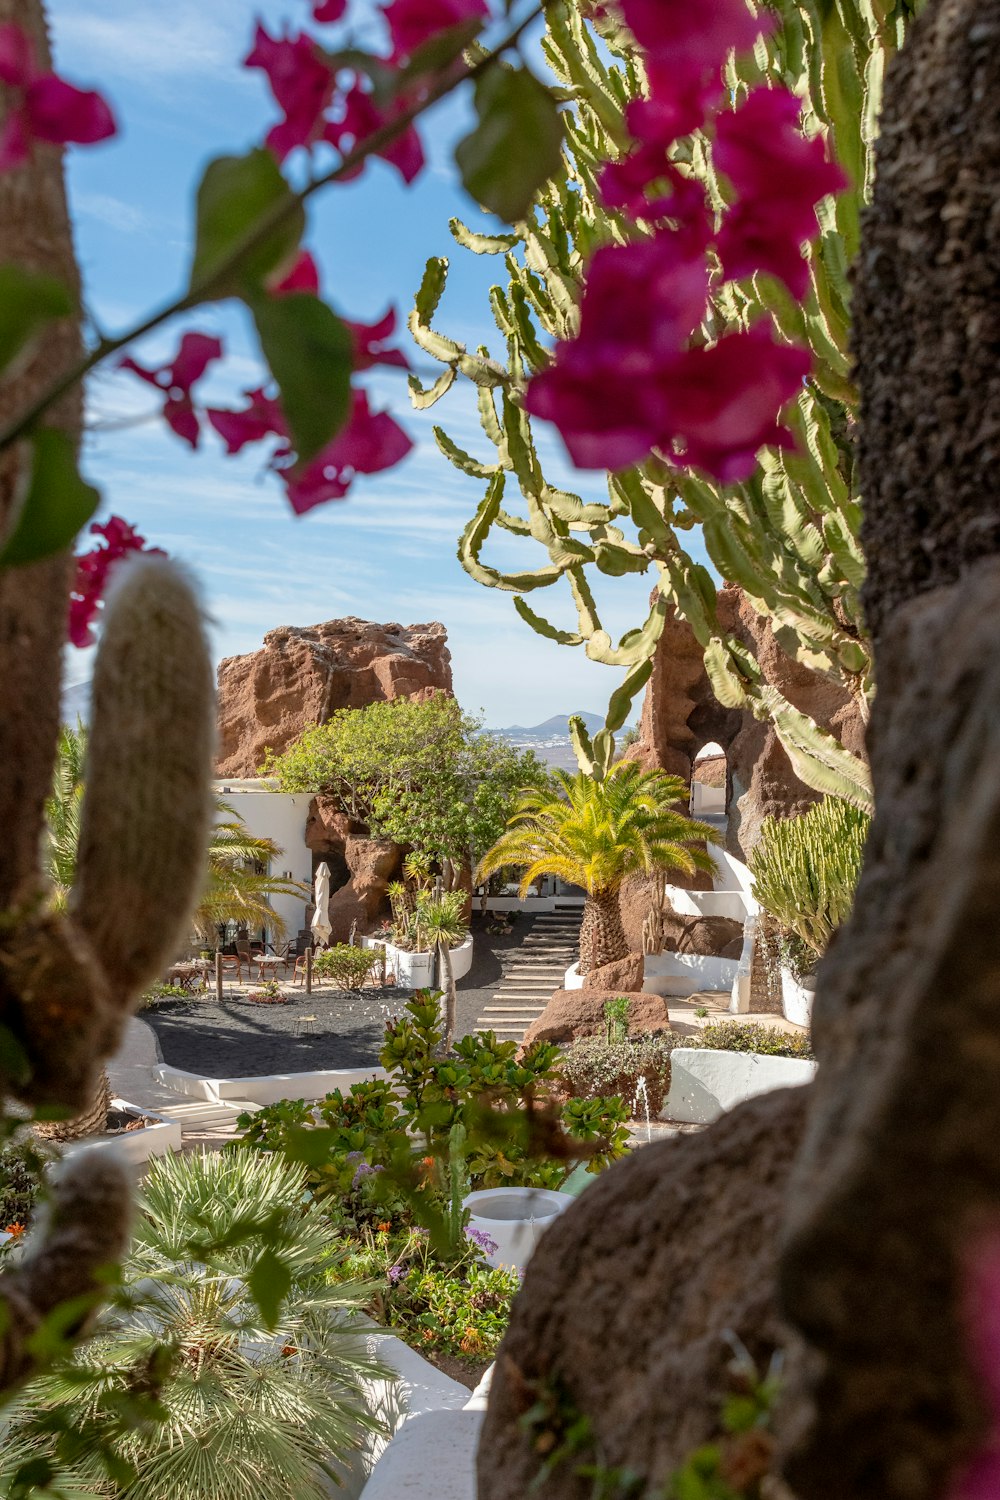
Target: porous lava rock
<point>721,937</point>
<point>371,865</point>
<point>622,974</point>
<point>300,676</point>
<point>575,1013</point>
<point>681,715</point>
<point>631,1297</point>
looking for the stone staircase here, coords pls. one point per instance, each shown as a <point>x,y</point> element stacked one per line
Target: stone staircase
<point>533,971</point>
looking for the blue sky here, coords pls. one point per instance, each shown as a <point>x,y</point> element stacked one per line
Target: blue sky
<point>172,73</point>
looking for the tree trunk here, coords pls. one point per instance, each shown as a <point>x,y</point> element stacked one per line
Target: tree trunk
<point>602,936</point>
<point>450,995</point>
<point>90,1122</point>
<point>34,234</point>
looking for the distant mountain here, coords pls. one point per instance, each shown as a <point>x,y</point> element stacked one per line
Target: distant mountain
<point>558,724</point>
<point>76,702</point>
<point>550,740</point>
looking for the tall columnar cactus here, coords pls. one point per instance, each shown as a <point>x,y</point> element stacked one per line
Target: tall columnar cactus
<point>788,536</point>
<point>68,979</point>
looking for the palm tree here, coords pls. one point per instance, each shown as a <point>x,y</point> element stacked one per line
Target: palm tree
<point>596,833</point>
<point>244,1410</point>
<point>62,813</point>
<point>239,887</point>
<point>441,920</point>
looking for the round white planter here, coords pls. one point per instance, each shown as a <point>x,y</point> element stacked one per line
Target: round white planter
<point>515,1218</point>
<point>414,971</point>
<point>796,998</point>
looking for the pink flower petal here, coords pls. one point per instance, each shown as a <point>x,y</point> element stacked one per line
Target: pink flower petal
<point>180,416</point>
<point>413,22</point>
<point>196,353</point>
<point>327,11</point>
<point>360,118</point>
<point>60,113</point>
<point>93,570</point>
<point>302,83</point>
<point>17,56</point>
<point>370,443</point>
<point>258,420</point>
<point>693,36</point>
<point>369,340</point>
<point>303,277</point>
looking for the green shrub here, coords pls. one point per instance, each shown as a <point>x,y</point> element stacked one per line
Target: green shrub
<point>805,871</point>
<point>593,1067</point>
<point>184,1385</point>
<point>347,966</point>
<point>407,1148</point>
<point>22,1167</point>
<point>157,993</point>
<point>750,1036</point>
<point>461,1309</point>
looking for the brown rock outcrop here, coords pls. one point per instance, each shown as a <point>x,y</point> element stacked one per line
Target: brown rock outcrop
<point>371,865</point>
<point>300,676</point>
<point>622,974</point>
<point>721,936</point>
<point>574,1013</point>
<point>680,716</point>
<point>628,1300</point>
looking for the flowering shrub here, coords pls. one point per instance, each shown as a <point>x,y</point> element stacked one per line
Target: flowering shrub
<point>406,1149</point>
<point>461,1309</point>
<point>21,1168</point>
<point>752,1036</point>
<point>594,1067</point>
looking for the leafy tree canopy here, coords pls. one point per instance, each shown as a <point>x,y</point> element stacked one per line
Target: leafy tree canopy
<point>423,774</point>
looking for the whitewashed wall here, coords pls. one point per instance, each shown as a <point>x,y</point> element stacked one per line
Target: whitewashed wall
<point>280,816</point>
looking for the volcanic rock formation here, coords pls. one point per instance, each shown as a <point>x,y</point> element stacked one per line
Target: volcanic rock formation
<point>681,714</point>
<point>300,676</point>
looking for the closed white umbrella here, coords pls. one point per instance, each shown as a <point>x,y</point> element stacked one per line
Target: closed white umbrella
<point>320,924</point>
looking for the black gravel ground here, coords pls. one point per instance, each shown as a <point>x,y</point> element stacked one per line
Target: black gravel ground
<point>243,1039</point>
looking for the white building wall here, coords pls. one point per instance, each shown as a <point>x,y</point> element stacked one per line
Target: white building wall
<point>280,816</point>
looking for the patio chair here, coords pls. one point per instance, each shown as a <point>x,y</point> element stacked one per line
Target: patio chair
<point>232,962</point>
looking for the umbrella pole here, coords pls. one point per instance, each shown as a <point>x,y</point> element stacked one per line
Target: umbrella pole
<point>309,971</point>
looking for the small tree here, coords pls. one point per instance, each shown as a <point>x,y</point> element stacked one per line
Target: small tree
<point>595,833</point>
<point>442,921</point>
<point>421,774</point>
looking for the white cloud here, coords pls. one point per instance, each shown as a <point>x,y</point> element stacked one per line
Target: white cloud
<point>125,217</point>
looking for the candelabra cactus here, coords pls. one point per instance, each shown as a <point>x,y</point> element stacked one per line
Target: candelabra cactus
<point>789,535</point>
<point>68,979</point>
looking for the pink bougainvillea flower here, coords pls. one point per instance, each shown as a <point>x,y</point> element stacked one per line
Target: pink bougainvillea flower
<point>693,38</point>
<point>369,343</point>
<point>779,177</point>
<point>195,354</point>
<point>625,185</point>
<point>360,117</point>
<point>260,418</point>
<point>303,277</point>
<point>329,10</point>
<point>302,83</point>
<point>724,400</point>
<point>980,1479</point>
<point>371,442</point>
<point>676,104</point>
<point>640,306</point>
<point>93,570</point>
<point>413,22</point>
<point>43,106</point>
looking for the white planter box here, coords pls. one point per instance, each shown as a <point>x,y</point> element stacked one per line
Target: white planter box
<point>705,1083</point>
<point>675,974</point>
<point>268,1088</point>
<point>461,958</point>
<point>796,999</point>
<point>515,1219</point>
<point>134,1146</point>
<point>414,971</point>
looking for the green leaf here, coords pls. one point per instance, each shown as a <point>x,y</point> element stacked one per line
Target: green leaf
<point>58,502</point>
<point>269,1282</point>
<point>310,354</point>
<point>515,147</point>
<point>236,194</point>
<point>28,300</point>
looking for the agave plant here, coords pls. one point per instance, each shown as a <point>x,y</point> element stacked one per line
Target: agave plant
<point>185,1393</point>
<point>594,834</point>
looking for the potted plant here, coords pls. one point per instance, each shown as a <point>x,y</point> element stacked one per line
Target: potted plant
<point>805,870</point>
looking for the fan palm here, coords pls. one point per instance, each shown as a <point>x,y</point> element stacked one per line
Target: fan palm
<point>594,834</point>
<point>244,1410</point>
